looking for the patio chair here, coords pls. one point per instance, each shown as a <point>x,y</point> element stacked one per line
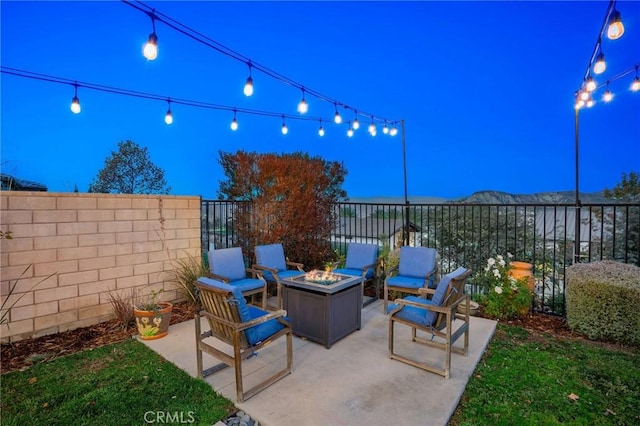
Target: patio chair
<point>434,317</point>
<point>362,260</point>
<point>227,265</point>
<point>243,327</point>
<point>275,267</point>
<point>417,269</point>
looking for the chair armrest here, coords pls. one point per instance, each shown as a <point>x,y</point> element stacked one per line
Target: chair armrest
<point>265,268</point>
<point>395,269</point>
<point>297,265</point>
<point>255,273</point>
<point>434,308</point>
<point>222,278</point>
<point>429,275</point>
<point>334,265</point>
<point>426,291</point>
<point>241,326</point>
<point>371,265</point>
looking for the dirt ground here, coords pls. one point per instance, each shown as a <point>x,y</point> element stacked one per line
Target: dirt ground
<point>23,353</point>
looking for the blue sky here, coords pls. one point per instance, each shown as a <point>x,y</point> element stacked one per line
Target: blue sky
<point>485,89</point>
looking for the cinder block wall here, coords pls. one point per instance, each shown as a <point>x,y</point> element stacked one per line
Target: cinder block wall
<point>69,250</point>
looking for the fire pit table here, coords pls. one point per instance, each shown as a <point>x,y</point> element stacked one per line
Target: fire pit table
<point>323,307</point>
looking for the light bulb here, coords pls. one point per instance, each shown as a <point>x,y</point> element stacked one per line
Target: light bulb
<point>600,65</point>
<point>590,103</point>
<point>321,131</point>
<point>169,117</point>
<point>284,129</point>
<point>608,96</point>
<point>356,124</point>
<point>393,131</point>
<point>75,105</point>
<point>591,84</point>
<point>584,96</point>
<point>372,128</point>
<point>350,132</point>
<point>248,87</point>
<point>337,119</point>
<point>150,50</point>
<point>234,124</point>
<point>303,106</point>
<point>635,86</point>
<point>579,104</point>
<point>385,129</point>
<point>616,29</point>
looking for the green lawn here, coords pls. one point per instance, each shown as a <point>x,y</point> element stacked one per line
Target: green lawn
<point>120,384</point>
<point>536,379</point>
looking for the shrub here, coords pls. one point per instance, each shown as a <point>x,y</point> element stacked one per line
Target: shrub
<point>603,300</point>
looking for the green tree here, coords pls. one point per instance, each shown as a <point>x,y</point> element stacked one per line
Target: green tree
<point>289,200</point>
<point>627,190</point>
<point>624,238</point>
<point>130,171</point>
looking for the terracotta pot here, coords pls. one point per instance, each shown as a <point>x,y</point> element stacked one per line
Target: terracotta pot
<point>523,269</point>
<point>154,324</point>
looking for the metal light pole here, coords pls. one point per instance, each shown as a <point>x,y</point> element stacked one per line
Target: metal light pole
<point>576,248</point>
<point>406,198</point>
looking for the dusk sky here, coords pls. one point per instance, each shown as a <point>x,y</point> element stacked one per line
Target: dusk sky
<point>486,90</point>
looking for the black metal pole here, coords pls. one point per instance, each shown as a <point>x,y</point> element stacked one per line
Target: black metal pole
<point>576,248</point>
<point>406,197</point>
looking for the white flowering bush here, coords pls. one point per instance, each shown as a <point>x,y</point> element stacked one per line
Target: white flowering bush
<point>504,296</point>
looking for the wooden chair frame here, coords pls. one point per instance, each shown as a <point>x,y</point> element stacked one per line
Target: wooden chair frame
<point>393,272</point>
<point>293,265</point>
<point>442,327</point>
<point>225,325</point>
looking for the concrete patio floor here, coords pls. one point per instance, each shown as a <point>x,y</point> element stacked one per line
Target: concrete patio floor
<point>353,383</point>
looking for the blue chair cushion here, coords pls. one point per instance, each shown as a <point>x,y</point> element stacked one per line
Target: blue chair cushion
<point>248,284</point>
<point>413,314</point>
<point>416,262</point>
<point>271,256</point>
<point>227,262</point>
<point>255,334</point>
<point>406,282</point>
<point>360,255</point>
<point>354,272</point>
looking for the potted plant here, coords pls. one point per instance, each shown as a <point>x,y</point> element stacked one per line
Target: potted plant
<point>152,316</point>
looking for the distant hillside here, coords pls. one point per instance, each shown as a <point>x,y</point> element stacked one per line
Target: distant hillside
<point>495,197</point>
<point>561,197</point>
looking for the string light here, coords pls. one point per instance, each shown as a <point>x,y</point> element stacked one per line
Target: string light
<point>248,86</point>
<point>150,49</point>
<point>385,129</point>
<point>608,96</point>
<point>600,66</point>
<point>590,84</point>
<point>356,123</point>
<point>234,122</point>
<point>590,102</point>
<point>321,130</point>
<point>337,118</point>
<point>303,106</point>
<point>169,117</point>
<point>372,128</point>
<point>616,29</point>
<point>393,131</point>
<point>285,130</point>
<point>75,102</point>
<point>350,131</point>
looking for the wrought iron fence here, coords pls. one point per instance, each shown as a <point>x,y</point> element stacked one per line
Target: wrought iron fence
<point>468,234</point>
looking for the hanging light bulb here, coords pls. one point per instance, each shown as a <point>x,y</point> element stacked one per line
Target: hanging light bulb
<point>590,102</point>
<point>321,130</point>
<point>248,86</point>
<point>635,86</point>
<point>75,102</point>
<point>616,29</point>
<point>385,129</point>
<point>336,118</point>
<point>356,123</point>
<point>600,66</point>
<point>234,123</point>
<point>584,95</point>
<point>350,131</point>
<point>169,117</point>
<point>303,106</point>
<point>590,84</point>
<point>150,49</point>
<point>372,128</point>
<point>579,104</point>
<point>285,130</point>
<point>608,96</point>
<point>393,131</point>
